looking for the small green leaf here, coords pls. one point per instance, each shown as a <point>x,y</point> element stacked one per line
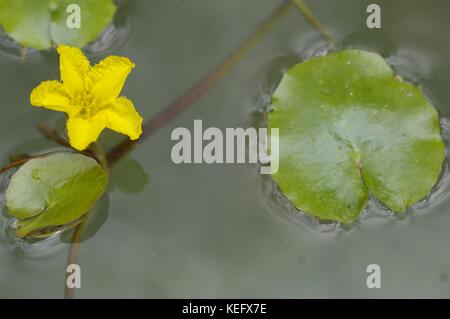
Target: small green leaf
<point>53,191</point>
<point>349,126</point>
<point>41,23</point>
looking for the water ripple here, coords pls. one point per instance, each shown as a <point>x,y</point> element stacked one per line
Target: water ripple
<point>11,50</point>
<point>111,40</point>
<point>30,248</point>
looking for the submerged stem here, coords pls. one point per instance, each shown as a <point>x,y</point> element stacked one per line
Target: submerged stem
<point>52,135</point>
<point>22,161</point>
<point>15,164</point>
<point>208,81</point>
<point>179,105</point>
<point>72,258</point>
<point>201,87</point>
<point>195,93</point>
<point>313,20</point>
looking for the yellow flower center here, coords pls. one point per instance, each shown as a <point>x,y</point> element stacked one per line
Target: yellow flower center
<point>88,105</point>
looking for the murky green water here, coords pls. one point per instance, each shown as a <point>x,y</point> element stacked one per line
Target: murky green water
<point>219,231</point>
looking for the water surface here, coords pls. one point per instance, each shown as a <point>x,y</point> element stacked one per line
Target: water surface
<point>217,231</point>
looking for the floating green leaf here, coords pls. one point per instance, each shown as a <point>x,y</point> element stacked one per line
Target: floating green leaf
<point>349,126</point>
<point>53,191</point>
<point>94,220</point>
<point>41,23</point>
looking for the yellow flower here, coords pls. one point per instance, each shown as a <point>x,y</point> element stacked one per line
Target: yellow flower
<point>90,97</point>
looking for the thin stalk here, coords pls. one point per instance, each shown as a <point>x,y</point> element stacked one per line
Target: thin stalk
<point>313,20</point>
<point>208,81</point>
<point>22,161</point>
<point>99,155</point>
<point>52,135</point>
<point>179,105</point>
<point>14,164</point>
<point>72,258</point>
<point>195,93</point>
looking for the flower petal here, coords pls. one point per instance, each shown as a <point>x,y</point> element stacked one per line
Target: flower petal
<point>51,95</point>
<point>108,77</point>
<point>83,132</point>
<point>122,117</point>
<point>74,67</point>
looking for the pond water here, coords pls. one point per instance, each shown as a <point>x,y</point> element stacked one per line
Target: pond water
<point>219,231</point>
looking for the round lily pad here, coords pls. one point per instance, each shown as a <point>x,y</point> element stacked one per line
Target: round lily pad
<point>350,127</point>
<point>53,191</point>
<point>41,23</point>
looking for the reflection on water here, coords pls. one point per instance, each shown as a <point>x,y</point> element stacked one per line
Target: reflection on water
<point>410,65</point>
<point>374,209</point>
<point>276,200</point>
<point>111,40</point>
<point>188,233</point>
<point>307,46</point>
<point>13,51</point>
<point>311,44</point>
